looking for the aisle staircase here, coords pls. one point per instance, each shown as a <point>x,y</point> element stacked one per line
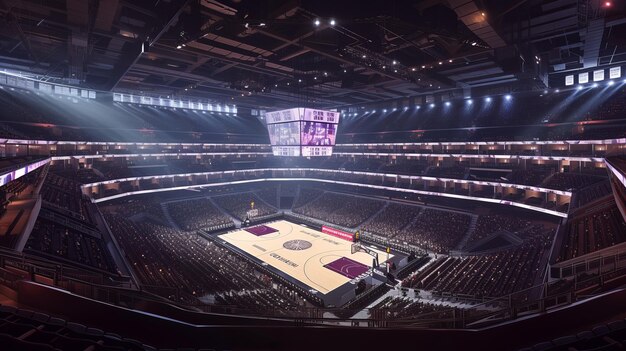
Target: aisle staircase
<point>225,213</point>
<point>168,217</point>
<point>468,234</point>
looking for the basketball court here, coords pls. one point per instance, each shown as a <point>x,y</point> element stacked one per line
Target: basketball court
<point>320,261</point>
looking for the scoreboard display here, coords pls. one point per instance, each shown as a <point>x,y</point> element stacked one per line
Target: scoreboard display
<point>302,132</point>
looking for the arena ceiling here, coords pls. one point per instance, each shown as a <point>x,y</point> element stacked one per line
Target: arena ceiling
<point>276,53</point>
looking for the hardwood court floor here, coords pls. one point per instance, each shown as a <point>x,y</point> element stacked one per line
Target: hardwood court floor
<point>300,252</point>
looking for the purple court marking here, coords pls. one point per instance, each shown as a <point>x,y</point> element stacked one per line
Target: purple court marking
<point>261,230</point>
<point>347,267</point>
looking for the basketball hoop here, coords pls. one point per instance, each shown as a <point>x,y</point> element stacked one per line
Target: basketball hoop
<point>354,248</point>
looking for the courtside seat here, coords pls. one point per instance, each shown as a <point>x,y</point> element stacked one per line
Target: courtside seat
<point>8,342</point>
<point>565,340</point>
<point>94,332</point>
<point>57,322</point>
<point>546,345</point>
<point>76,327</point>
<point>41,317</point>
<point>24,313</point>
<point>7,311</point>
<point>617,325</point>
<point>15,329</point>
<point>68,343</point>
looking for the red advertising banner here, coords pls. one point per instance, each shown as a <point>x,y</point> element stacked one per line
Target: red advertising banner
<point>337,233</point>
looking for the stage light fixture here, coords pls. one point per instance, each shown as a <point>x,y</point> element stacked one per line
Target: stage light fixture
<point>488,99</point>
<point>610,83</point>
<point>508,97</point>
<point>317,22</point>
<point>447,103</point>
<point>469,101</point>
<point>580,87</point>
<point>394,62</point>
<point>332,22</point>
<point>179,46</point>
<point>384,111</point>
<point>432,105</point>
<point>594,85</point>
<point>557,90</point>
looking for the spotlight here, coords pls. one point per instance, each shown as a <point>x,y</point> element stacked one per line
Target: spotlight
<point>405,108</point>
<point>432,105</point>
<point>317,23</point>
<point>394,62</point>
<point>332,22</point>
<point>394,109</point>
<point>441,62</point>
<point>607,4</point>
<point>450,61</point>
<point>413,69</point>
<point>469,101</point>
<point>507,97</point>
<point>384,110</point>
<point>179,46</point>
<point>557,90</point>
<point>373,111</point>
<point>580,87</point>
<point>488,99</point>
<point>447,103</point>
<point>545,91</point>
<point>610,82</point>
<point>364,56</point>
<point>423,66</point>
<point>417,107</point>
<point>474,43</point>
<point>594,85</point>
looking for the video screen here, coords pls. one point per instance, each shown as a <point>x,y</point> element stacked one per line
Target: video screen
<point>318,134</point>
<point>284,133</point>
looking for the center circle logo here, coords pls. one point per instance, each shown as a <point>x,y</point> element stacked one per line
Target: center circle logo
<point>297,245</point>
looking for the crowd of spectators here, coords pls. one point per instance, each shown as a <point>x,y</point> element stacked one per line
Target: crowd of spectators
<point>390,221</point>
<point>196,214</point>
<point>341,209</point>
<point>592,232</point>
<point>238,205</point>
<point>592,193</point>
<point>485,276</point>
<point>493,223</point>
<point>269,194</point>
<point>396,307</point>
<point>568,180</point>
<point>436,230</point>
<point>306,195</point>
<point>65,194</point>
<point>55,240</point>
<point>191,270</point>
